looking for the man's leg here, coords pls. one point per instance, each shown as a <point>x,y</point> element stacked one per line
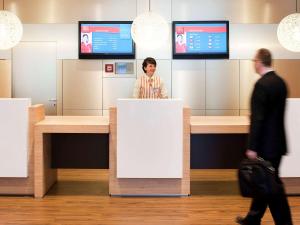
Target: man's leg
<point>278,204</point>
<point>257,210</point>
<point>280,210</point>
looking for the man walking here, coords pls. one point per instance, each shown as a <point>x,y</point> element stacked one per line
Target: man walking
<point>267,137</point>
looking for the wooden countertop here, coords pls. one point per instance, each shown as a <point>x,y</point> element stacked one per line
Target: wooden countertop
<point>73,124</point>
<point>100,124</point>
<point>219,124</point>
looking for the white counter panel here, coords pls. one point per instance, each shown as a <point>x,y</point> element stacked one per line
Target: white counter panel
<point>149,138</point>
<point>14,137</point>
<point>290,163</point>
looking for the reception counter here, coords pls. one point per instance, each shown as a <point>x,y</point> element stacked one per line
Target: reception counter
<point>219,124</point>
<point>73,124</point>
<point>163,181</point>
<point>149,148</point>
<point>45,175</point>
<point>222,127</point>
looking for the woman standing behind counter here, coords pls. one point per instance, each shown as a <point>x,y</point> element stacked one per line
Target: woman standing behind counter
<point>149,85</point>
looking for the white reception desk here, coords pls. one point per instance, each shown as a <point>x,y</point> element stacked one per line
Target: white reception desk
<point>17,119</point>
<point>290,163</point>
<point>149,147</point>
<point>14,126</point>
<point>149,138</point>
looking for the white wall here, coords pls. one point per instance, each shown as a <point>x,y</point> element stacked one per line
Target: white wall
<point>219,87</point>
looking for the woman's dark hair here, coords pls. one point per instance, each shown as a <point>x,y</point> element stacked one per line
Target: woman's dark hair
<point>147,61</point>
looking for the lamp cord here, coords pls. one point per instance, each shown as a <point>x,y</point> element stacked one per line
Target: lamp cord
<point>149,5</point>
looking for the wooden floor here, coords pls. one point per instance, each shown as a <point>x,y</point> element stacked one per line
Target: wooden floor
<point>81,197</point>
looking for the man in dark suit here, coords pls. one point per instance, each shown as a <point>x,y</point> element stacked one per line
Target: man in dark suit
<point>267,136</point>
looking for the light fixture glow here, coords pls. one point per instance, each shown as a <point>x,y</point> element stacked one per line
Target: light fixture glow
<point>288,32</point>
<point>149,30</point>
<point>11,30</point>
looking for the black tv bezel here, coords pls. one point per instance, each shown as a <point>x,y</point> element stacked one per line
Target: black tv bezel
<point>200,55</point>
<point>103,55</point>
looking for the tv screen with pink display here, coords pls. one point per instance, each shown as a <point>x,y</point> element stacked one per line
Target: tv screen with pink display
<point>105,40</point>
<point>200,39</point>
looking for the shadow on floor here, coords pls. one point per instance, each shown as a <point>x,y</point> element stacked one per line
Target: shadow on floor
<point>214,188</point>
<point>99,188</point>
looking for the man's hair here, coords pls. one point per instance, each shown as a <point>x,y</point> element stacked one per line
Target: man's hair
<point>147,61</point>
<point>85,35</point>
<point>265,56</point>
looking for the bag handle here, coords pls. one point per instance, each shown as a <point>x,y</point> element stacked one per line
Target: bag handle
<point>268,167</point>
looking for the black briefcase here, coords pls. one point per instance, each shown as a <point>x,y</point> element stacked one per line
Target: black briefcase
<point>257,178</point>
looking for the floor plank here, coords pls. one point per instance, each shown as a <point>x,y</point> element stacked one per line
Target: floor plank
<point>81,197</point>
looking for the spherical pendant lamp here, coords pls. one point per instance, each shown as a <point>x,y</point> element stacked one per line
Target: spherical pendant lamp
<point>288,32</point>
<point>150,30</point>
<point>11,30</point>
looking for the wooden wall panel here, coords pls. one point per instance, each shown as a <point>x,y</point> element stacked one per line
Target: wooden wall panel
<point>237,11</point>
<point>5,78</point>
<point>289,70</point>
<point>70,11</point>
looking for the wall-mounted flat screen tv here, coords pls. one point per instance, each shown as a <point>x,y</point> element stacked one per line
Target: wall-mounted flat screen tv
<point>105,40</point>
<point>200,39</point>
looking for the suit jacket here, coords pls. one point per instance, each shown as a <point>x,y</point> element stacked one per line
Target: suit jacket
<point>267,134</point>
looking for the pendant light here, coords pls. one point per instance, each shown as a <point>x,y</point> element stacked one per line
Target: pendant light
<point>11,30</point>
<point>149,30</point>
<point>288,32</point>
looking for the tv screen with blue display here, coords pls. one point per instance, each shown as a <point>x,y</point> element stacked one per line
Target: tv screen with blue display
<point>200,39</point>
<point>105,40</point>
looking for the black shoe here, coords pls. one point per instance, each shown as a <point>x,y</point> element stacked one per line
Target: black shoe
<point>245,221</point>
<point>240,220</point>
